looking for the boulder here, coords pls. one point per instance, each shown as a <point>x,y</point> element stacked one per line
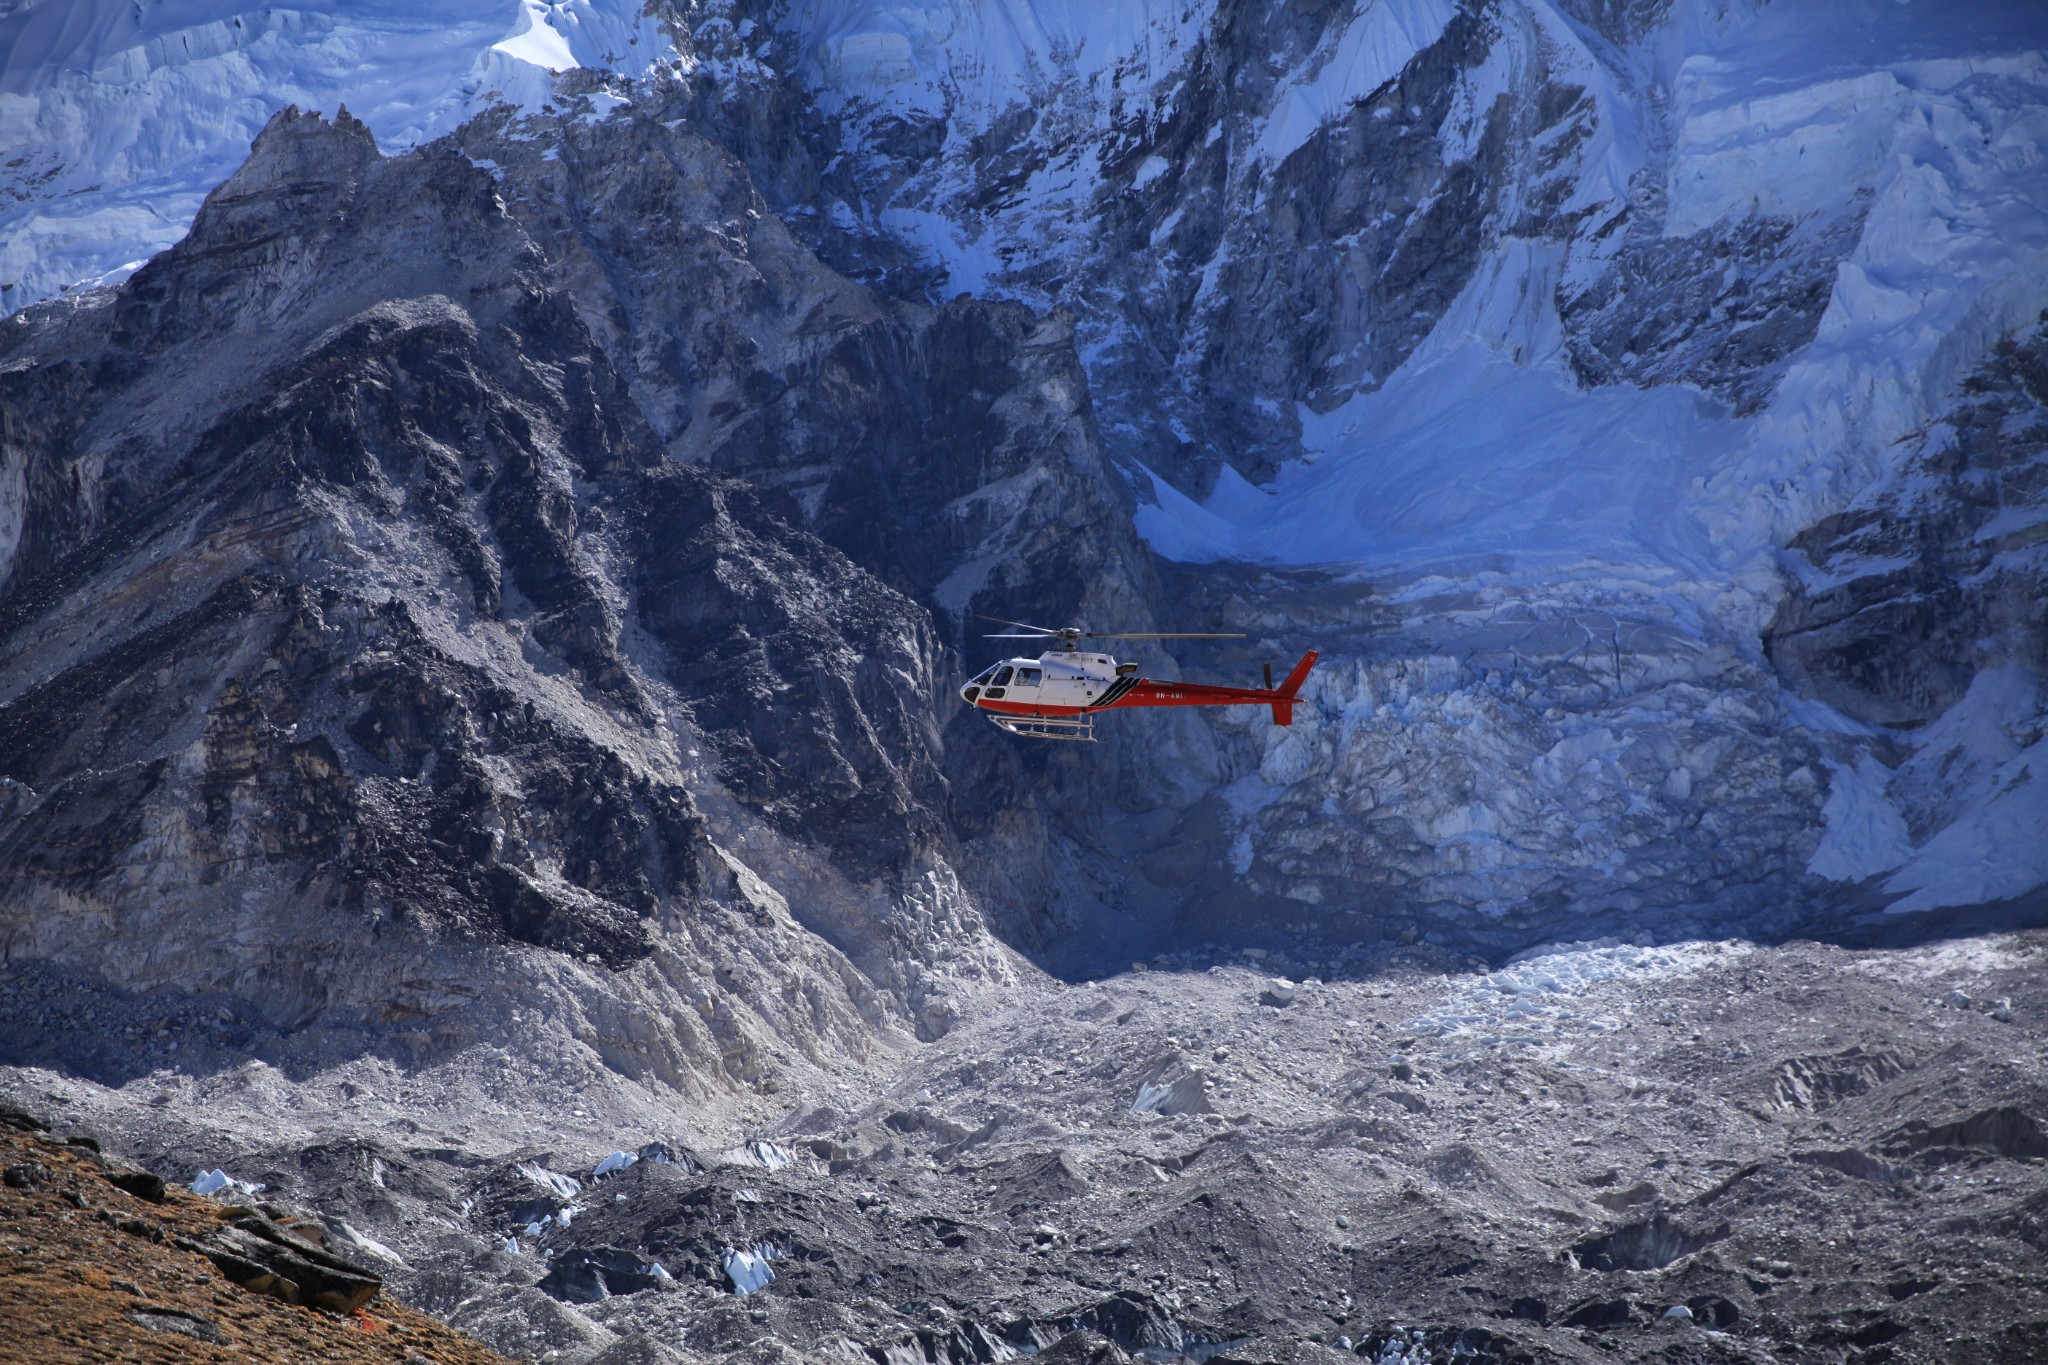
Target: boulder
<point>264,1257</point>
<point>1278,992</point>
<point>144,1185</point>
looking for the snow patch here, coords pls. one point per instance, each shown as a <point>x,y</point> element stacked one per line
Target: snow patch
<point>554,1182</point>
<point>535,39</point>
<point>1988,754</point>
<point>1866,834</point>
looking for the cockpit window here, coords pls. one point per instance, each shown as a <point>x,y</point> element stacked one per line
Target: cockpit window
<point>1002,677</point>
<point>1027,677</point>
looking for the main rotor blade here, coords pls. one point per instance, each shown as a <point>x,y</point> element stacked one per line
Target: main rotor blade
<point>1043,632</point>
<point>1026,624</point>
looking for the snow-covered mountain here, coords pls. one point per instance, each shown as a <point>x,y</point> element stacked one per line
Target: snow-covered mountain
<point>1595,306</point>
<point>118,116</point>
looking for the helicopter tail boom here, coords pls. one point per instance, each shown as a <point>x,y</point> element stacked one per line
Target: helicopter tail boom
<point>1148,692</point>
<point>1283,709</point>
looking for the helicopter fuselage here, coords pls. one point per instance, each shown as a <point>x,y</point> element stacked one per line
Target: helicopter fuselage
<point>1067,685</point>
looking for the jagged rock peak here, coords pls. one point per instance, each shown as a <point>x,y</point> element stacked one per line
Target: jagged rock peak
<point>299,149</point>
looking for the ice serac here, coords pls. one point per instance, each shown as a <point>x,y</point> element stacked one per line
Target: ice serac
<point>384,674</point>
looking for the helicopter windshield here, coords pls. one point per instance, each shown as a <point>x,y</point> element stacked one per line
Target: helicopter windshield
<point>1002,677</point>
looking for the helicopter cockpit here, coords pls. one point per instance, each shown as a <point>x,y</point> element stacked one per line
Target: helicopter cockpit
<point>997,680</point>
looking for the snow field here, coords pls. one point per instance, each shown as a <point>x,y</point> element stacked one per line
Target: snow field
<point>1865,834</point>
<point>1987,758</point>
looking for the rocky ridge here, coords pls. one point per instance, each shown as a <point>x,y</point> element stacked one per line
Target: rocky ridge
<point>418,663</point>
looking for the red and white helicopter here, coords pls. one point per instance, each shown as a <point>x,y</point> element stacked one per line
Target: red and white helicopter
<point>1057,695</point>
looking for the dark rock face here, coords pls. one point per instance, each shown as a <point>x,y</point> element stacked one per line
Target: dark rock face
<point>399,410</point>
<point>1643,1246</point>
<point>1371,228</point>
<point>949,450</point>
<point>1723,308</point>
<point>144,1185</point>
<point>591,1276</point>
<point>1930,578</point>
<point>1619,21</point>
<point>804,695</point>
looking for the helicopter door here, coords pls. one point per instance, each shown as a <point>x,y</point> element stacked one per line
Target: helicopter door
<point>1029,677</point>
<point>996,684</point>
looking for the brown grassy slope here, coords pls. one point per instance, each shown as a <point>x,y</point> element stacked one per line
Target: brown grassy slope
<point>90,1273</point>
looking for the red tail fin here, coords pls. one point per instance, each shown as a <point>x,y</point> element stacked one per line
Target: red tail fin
<point>1283,710</point>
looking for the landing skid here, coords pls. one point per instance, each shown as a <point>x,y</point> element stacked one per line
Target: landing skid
<point>1080,729</point>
